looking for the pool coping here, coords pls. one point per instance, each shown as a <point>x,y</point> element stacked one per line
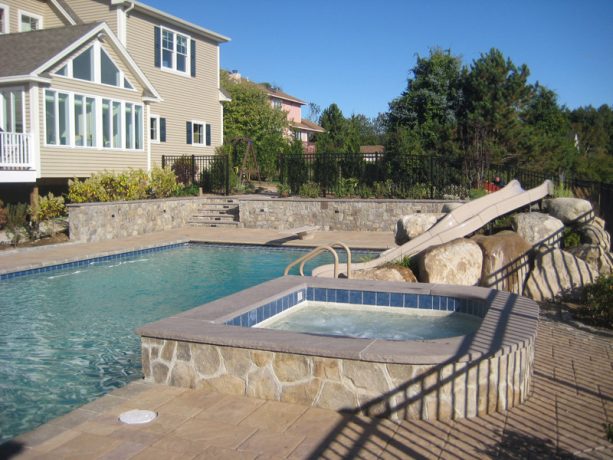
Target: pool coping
<point>509,324</point>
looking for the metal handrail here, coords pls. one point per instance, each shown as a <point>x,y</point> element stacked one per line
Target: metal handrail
<point>318,250</point>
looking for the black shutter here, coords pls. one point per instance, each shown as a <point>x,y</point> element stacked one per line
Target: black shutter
<point>208,134</point>
<point>162,129</point>
<point>189,132</point>
<point>157,39</point>
<point>193,57</point>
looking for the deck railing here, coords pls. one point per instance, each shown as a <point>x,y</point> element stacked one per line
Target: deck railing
<point>16,151</point>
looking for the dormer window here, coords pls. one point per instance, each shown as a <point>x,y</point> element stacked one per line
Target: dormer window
<point>95,65</point>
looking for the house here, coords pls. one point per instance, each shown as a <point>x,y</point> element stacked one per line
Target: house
<point>292,106</point>
<point>94,85</point>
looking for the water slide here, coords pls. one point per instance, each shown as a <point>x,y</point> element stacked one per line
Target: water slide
<point>460,222</point>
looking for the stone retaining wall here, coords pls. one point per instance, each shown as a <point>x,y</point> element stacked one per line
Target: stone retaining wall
<point>344,215</point>
<point>120,219</point>
<point>398,391</point>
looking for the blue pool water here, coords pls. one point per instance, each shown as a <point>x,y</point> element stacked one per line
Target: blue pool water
<point>67,336</point>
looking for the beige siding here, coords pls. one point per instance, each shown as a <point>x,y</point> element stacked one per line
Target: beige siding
<point>37,7</point>
<point>95,11</point>
<point>185,98</point>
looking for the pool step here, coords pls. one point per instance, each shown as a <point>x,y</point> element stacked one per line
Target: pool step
<point>217,212</point>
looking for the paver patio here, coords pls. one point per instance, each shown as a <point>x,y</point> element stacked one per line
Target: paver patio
<point>572,397</point>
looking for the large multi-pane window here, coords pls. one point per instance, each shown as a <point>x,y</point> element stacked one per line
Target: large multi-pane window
<point>12,110</point>
<point>72,119</point>
<point>175,51</point>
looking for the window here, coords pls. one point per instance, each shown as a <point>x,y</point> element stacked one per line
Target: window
<point>154,128</point>
<point>276,103</point>
<point>4,19</point>
<point>175,51</point>
<point>83,66</point>
<point>198,133</point>
<point>109,73</point>
<point>29,22</point>
<point>57,113</point>
<point>297,134</point>
<point>12,111</point>
<point>63,71</point>
<point>83,121</point>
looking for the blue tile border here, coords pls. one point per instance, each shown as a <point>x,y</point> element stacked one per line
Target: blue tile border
<point>90,261</point>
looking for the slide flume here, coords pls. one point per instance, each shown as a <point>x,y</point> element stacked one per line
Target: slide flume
<point>460,222</point>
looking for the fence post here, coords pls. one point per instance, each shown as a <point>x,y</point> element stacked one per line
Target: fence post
<point>163,161</point>
<point>227,164</point>
<point>431,176</point>
<point>193,168</point>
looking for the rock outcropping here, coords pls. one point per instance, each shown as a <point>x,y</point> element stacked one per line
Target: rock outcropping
<point>458,262</point>
<point>536,228</point>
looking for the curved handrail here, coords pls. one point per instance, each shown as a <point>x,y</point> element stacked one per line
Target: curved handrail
<point>318,250</point>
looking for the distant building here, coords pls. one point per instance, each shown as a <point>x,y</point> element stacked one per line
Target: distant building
<point>371,148</point>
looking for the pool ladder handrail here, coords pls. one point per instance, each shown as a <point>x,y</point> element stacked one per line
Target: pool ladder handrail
<point>318,250</point>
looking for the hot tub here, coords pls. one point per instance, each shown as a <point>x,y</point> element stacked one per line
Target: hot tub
<point>222,346</point>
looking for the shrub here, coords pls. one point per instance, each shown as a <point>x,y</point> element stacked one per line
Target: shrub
<point>570,238</point>
<point>475,193</point>
<point>16,221</point>
<point>188,190</point>
<point>2,215</point>
<point>346,187</point>
<point>383,189</point>
<point>185,169</point>
<point>49,207</point>
<point>309,190</point>
<point>562,191</point>
<point>163,183</point>
<point>598,301</point>
<point>283,190</point>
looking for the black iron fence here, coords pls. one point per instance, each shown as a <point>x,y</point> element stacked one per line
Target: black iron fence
<point>211,172</point>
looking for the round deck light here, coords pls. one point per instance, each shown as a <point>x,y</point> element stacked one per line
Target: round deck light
<point>137,416</point>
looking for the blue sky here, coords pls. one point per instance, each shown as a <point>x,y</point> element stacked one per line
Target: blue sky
<point>358,53</point>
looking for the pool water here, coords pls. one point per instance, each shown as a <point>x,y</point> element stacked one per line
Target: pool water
<point>359,321</point>
<point>67,336</point>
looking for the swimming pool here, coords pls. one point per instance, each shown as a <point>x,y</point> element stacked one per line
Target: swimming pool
<point>67,336</point>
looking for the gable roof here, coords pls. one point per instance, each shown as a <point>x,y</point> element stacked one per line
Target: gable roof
<point>29,55</point>
<point>23,53</point>
<point>280,94</point>
<point>307,125</point>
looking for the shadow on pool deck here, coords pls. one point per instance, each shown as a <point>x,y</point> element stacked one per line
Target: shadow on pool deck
<point>571,399</point>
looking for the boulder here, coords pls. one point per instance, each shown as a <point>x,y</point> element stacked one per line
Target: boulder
<point>448,207</point>
<point>593,233</point>
<point>457,262</point>
<point>536,227</point>
<point>53,227</point>
<point>599,222</point>
<point>595,255</point>
<point>412,225</point>
<point>506,261</point>
<point>568,210</point>
<point>558,272</point>
<point>386,273</point>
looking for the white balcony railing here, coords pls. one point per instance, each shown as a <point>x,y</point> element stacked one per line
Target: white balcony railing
<point>16,151</point>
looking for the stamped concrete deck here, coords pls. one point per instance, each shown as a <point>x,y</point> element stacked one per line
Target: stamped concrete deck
<point>572,397</point>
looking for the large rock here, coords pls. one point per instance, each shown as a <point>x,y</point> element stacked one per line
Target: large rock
<point>593,233</point>
<point>385,273</point>
<point>457,262</point>
<point>412,225</point>
<point>536,227</point>
<point>595,255</point>
<point>558,272</point>
<point>506,261</point>
<point>568,210</point>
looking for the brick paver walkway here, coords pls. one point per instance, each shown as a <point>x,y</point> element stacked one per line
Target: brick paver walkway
<point>572,398</point>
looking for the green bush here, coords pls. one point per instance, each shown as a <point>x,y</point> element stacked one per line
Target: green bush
<point>598,301</point>
<point>16,221</point>
<point>283,190</point>
<point>383,189</point>
<point>475,193</point>
<point>134,184</point>
<point>188,190</point>
<point>346,187</point>
<point>49,207</point>
<point>309,190</point>
<point>562,191</point>
<point>2,215</point>
<point>570,238</point>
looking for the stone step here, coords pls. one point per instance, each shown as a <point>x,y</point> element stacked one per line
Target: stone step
<point>217,212</point>
<point>220,207</point>
<point>214,224</point>
<point>213,219</point>
<point>223,201</point>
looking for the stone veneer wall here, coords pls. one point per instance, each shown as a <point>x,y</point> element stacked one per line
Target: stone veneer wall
<point>364,215</point>
<point>119,219</point>
<point>398,391</point>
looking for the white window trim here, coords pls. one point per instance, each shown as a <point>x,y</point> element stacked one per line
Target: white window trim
<point>188,62</point>
<point>157,130</point>
<point>21,13</point>
<point>23,105</point>
<point>97,66</point>
<point>7,21</point>
<point>204,124</point>
<point>98,126</point>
